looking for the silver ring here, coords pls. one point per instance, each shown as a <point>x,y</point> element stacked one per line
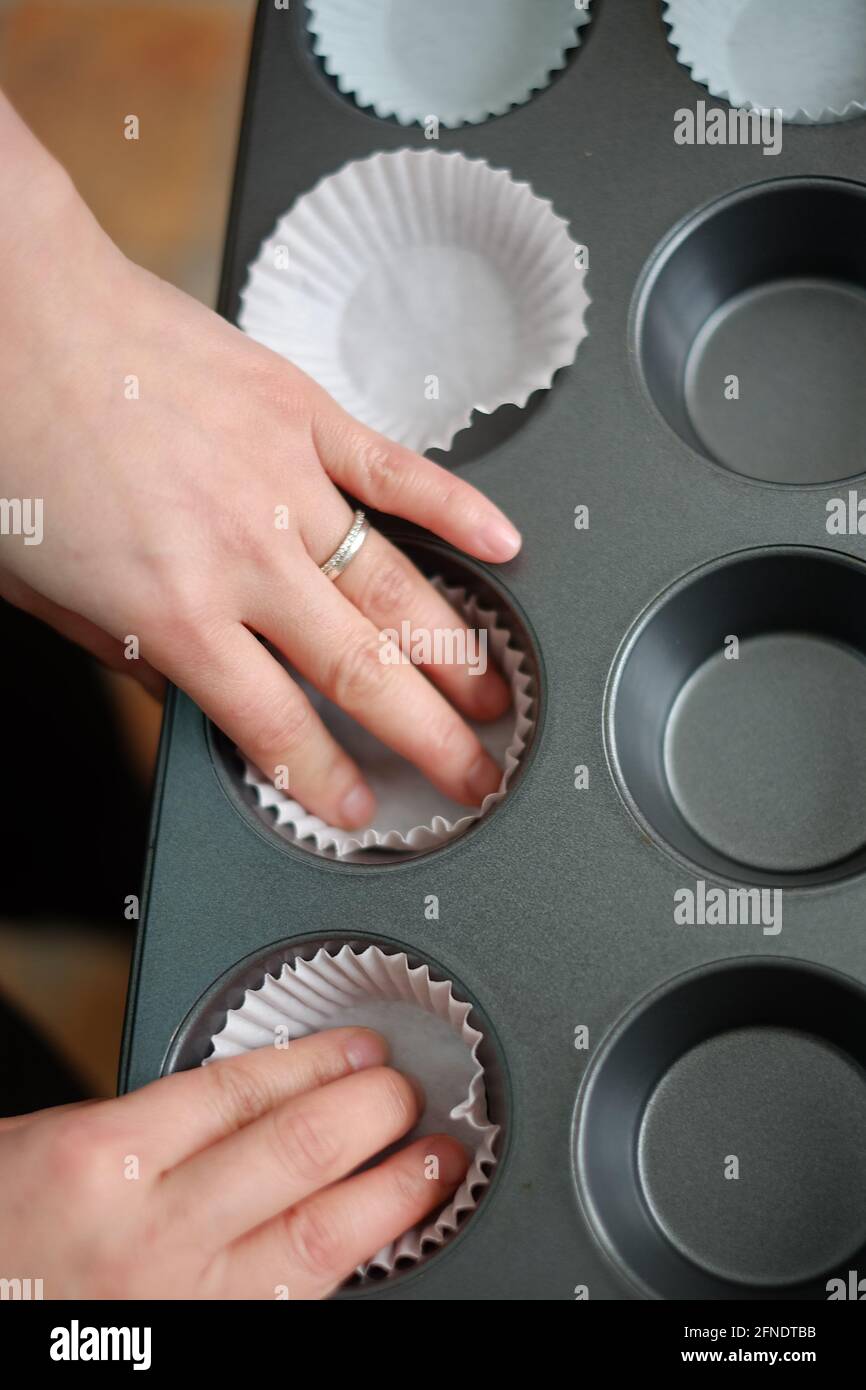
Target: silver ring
<point>348,547</point>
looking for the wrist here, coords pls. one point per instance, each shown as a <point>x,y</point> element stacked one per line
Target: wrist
<point>46,225</point>
<point>31,180</point>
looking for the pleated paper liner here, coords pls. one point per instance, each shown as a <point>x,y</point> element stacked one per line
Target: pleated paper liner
<point>458,61</point>
<point>417,288</point>
<point>805,58</point>
<point>430,1035</point>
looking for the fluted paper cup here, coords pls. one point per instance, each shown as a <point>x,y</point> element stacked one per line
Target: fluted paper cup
<point>417,288</point>
<point>411,814</point>
<point>805,58</point>
<point>455,61</point>
<point>430,1035</point>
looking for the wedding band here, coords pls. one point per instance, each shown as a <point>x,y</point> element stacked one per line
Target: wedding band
<point>348,548</point>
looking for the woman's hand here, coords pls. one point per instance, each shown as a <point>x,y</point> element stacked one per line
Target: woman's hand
<point>189,482</point>
<point>230,1181</point>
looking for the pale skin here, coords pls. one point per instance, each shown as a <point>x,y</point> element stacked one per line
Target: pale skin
<point>160,522</point>
<point>236,1181</point>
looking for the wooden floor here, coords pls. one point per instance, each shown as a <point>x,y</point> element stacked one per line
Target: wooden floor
<point>75,69</point>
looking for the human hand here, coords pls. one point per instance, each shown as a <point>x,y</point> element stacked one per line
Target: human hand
<point>168,448</point>
<point>229,1181</point>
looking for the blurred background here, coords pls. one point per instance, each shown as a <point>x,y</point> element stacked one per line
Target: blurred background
<point>79,766</point>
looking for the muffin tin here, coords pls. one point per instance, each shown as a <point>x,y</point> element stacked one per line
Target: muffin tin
<point>681,1096</point>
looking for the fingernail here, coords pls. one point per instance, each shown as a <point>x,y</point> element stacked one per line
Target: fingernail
<point>366,1049</point>
<point>453,1162</point>
<point>500,539</point>
<point>482,778</point>
<point>357,806</point>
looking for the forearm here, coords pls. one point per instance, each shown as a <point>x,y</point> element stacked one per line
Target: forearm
<point>55,261</point>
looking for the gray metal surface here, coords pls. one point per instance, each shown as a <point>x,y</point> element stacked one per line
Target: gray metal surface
<point>721,1133</point>
<point>751,330</point>
<point>736,712</point>
<point>558,910</point>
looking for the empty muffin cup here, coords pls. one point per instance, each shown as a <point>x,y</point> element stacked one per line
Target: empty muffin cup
<point>418,287</point>
<point>720,1138</point>
<point>451,62</point>
<point>735,717</point>
<point>750,327</point>
<point>411,815</point>
<point>805,58</point>
<point>431,1037</point>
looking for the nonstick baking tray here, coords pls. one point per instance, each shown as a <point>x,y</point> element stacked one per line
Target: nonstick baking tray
<point>604,902</point>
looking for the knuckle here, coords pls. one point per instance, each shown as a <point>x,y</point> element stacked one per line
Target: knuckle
<point>325,1064</point>
<point>249,537</point>
<point>270,383</point>
<point>187,613</point>
<point>304,1148</point>
<point>358,672</point>
<point>388,592</point>
<point>238,1094</point>
<point>281,725</point>
<point>395,1099</point>
<point>447,741</point>
<point>315,1242</point>
<point>290,404</point>
<point>407,1186</point>
<point>455,496</point>
<point>380,468</point>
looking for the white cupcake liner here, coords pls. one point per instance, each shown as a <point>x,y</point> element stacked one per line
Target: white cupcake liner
<point>417,287</point>
<point>406,816</point>
<point>460,61</point>
<point>806,58</point>
<point>430,1036</point>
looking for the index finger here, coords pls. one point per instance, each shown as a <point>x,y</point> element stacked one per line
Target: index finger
<point>393,479</point>
<point>189,1110</point>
